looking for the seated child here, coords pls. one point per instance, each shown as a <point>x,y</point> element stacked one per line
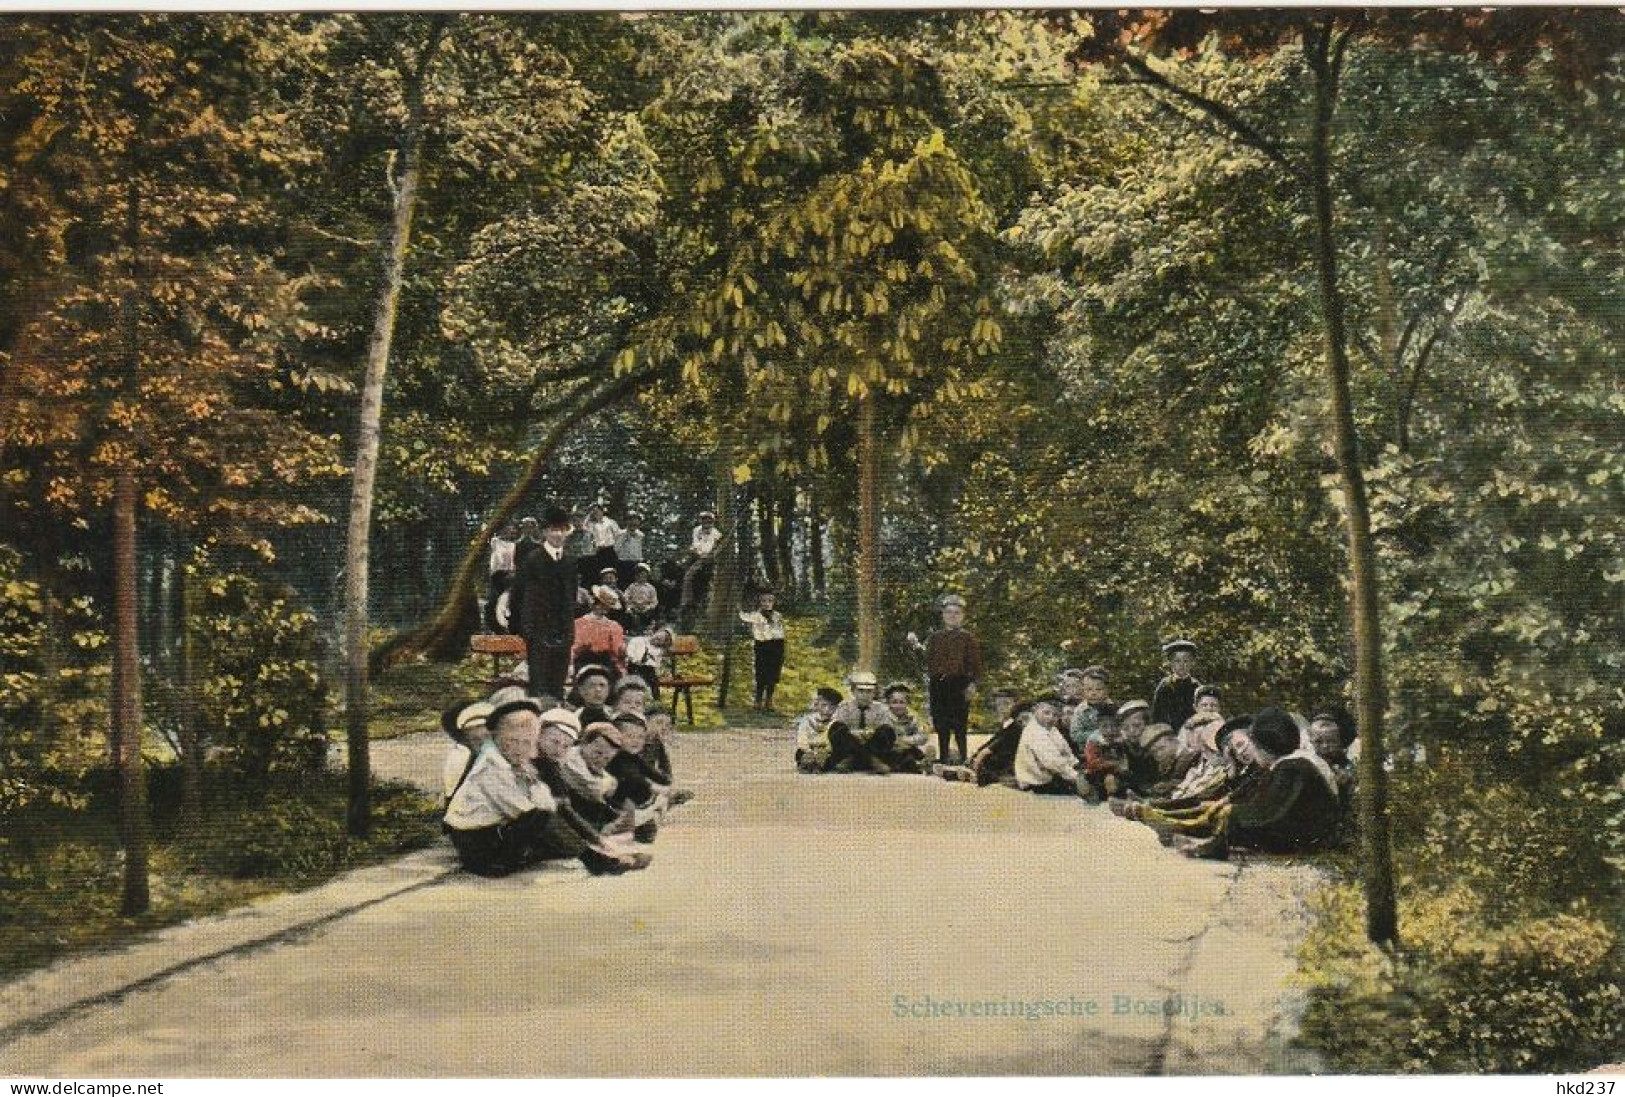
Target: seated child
<point>812,731</point>
<point>604,832</point>
<point>1044,759</point>
<point>590,694</point>
<point>914,751</point>
<point>1106,761</point>
<point>1331,734</point>
<point>1153,761</point>
<point>994,760</point>
<point>1094,701</point>
<point>465,724</point>
<point>658,720</point>
<point>503,816</point>
<point>586,770</point>
<point>630,694</point>
<point>862,733</point>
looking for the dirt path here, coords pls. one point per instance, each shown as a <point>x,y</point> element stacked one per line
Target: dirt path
<point>789,926</point>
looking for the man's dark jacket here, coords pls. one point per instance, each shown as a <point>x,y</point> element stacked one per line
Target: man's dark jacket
<point>543,601</point>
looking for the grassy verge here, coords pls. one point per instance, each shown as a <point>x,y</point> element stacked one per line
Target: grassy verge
<point>409,698</point>
<point>60,868</point>
<point>1510,957</point>
<point>807,665</point>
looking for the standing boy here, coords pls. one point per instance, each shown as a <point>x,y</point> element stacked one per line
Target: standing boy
<point>767,631</point>
<point>1174,700</point>
<point>953,663</point>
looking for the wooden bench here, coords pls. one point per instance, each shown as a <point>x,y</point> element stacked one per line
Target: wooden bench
<point>497,645</point>
<point>681,685</point>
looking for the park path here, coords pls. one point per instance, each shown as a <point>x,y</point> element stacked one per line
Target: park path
<point>840,925</point>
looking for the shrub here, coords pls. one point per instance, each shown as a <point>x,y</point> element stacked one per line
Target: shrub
<point>1538,993</point>
<point>263,703</point>
<point>1531,849</point>
<point>53,683</point>
<point>298,835</point>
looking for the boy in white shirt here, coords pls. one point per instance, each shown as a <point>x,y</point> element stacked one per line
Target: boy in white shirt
<point>501,817</point>
<point>1044,760</point>
<point>767,631</point>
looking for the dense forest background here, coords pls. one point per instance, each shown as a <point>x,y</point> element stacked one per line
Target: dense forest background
<point>1029,306</point>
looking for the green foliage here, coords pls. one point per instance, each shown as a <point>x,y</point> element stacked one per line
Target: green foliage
<point>60,879</point>
<point>1541,993</point>
<point>51,895</point>
<point>262,700</point>
<point>406,699</point>
<point>1530,850</point>
<point>302,839</point>
<point>52,693</point>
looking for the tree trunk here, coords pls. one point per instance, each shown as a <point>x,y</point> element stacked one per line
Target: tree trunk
<point>446,635</point>
<point>1382,919</point>
<point>126,717</point>
<point>722,605</point>
<point>816,582</point>
<point>366,458</point>
<point>191,758</point>
<point>766,542</point>
<point>785,540</point>
<point>725,678</point>
<point>126,730</point>
<point>868,562</point>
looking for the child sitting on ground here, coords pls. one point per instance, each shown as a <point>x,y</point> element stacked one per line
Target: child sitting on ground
<point>996,759</point>
<point>1044,759</point>
<point>1106,761</point>
<point>812,731</point>
<point>914,751</point>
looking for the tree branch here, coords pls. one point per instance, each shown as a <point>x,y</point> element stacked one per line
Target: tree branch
<point>319,231</point>
<point>1239,127</point>
<point>1407,405</point>
<point>445,635</point>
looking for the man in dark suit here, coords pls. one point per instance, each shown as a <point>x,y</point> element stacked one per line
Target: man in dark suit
<point>543,602</point>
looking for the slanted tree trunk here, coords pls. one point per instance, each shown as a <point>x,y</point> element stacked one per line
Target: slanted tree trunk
<point>868,561</point>
<point>405,189</point>
<point>446,634</point>
<point>1382,919</point>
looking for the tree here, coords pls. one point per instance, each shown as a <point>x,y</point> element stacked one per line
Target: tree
<point>404,190</point>
<point>1323,41</point>
<point>143,371</point>
<point>841,247</point>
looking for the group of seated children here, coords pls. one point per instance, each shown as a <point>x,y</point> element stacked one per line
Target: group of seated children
<point>534,779</point>
<point>1270,781</point>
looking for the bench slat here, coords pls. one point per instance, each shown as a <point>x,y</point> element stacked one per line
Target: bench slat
<point>496,643</point>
